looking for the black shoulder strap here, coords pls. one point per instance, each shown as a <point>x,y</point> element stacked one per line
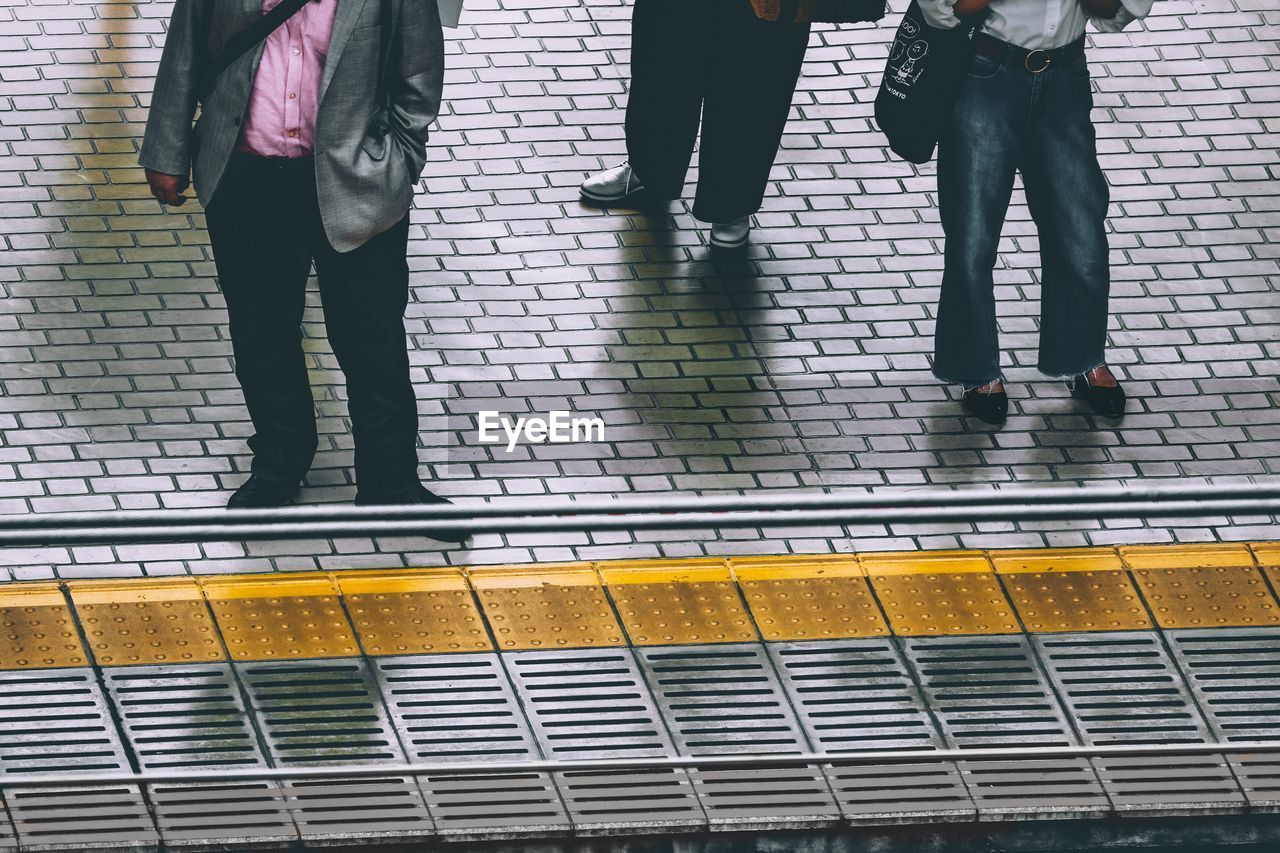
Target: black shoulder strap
<point>389,24</point>
<point>246,40</point>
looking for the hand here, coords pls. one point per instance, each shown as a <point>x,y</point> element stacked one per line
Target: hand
<point>968,7</point>
<point>1101,8</point>
<point>167,188</point>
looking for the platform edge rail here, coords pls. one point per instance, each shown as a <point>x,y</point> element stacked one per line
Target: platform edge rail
<point>682,512</point>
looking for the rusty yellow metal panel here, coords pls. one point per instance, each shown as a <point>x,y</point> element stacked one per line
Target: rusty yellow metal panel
<point>36,628</point>
<point>801,599</point>
<point>281,617</point>
<point>769,561</point>
<point>1084,589</point>
<point>537,609</point>
<point>940,593</point>
<point>674,604</point>
<point>151,621</point>
<point>426,611</point>
<point>1266,553</point>
<point>1206,556</point>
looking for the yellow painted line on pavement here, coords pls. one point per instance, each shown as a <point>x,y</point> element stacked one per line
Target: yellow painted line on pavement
<point>652,602</point>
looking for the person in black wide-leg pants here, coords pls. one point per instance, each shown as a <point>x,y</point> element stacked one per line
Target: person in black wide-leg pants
<point>265,228</point>
<point>717,60</point>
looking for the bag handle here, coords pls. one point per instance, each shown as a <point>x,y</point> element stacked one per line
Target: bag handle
<point>246,40</point>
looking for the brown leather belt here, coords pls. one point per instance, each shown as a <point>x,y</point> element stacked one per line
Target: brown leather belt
<point>1034,61</point>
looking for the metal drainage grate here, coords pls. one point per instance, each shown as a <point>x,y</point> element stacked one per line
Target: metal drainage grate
<point>1123,688</point>
<point>57,721</point>
<point>726,699</point>
<point>193,717</point>
<point>8,839</point>
<point>460,707</point>
<point>593,703</point>
<point>988,691</point>
<point>853,695</point>
<point>1234,674</point>
<point>315,713</point>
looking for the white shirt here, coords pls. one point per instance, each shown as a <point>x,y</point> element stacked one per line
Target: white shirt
<point>1037,24</point>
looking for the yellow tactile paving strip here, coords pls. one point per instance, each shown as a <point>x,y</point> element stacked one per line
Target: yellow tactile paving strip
<point>36,628</point>
<point>560,607</point>
<point>285,617</point>
<point>158,622</point>
<point>415,612</point>
<point>640,602</point>
<point>1071,590</point>
<point>818,600</point>
<point>1218,586</point>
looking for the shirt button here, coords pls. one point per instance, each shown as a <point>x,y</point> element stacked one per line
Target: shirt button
<point>297,51</point>
<point>293,95</point>
<point>293,134</point>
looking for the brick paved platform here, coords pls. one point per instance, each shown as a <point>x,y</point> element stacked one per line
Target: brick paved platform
<point>801,366</point>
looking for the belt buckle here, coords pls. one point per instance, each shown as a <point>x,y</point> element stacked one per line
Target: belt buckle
<point>1036,60</point>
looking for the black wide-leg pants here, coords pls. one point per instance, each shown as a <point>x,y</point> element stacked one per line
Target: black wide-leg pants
<point>265,227</point>
<point>717,60</point>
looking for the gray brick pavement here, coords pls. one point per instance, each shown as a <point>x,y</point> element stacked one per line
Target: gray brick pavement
<point>803,365</point>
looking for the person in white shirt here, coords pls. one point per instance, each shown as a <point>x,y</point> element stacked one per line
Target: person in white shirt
<point>1024,106</point>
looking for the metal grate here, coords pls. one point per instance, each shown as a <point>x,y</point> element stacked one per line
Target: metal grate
<point>57,721</point>
<point>593,703</point>
<point>8,839</point>
<point>193,717</point>
<point>988,691</point>
<point>1235,676</point>
<point>460,707</point>
<point>855,695</point>
<point>725,699</point>
<point>1123,688</point>
<point>329,712</point>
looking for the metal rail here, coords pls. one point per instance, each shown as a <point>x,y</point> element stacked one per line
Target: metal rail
<point>708,762</point>
<point>686,512</point>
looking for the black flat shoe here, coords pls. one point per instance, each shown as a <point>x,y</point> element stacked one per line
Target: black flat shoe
<point>264,490</point>
<point>415,495</point>
<point>990,408</point>
<point>1104,400</point>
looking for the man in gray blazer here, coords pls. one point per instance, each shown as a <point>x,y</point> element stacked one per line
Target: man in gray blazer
<point>307,149</point>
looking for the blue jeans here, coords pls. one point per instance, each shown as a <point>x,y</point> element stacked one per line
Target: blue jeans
<point>1009,120</point>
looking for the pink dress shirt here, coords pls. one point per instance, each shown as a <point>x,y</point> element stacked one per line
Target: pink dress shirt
<point>281,121</point>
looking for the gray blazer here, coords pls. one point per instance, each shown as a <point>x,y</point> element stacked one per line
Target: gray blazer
<point>367,162</point>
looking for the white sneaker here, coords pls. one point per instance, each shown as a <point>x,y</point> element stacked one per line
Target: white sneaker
<point>732,234</point>
<point>613,184</point>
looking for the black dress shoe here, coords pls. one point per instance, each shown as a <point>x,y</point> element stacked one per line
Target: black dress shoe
<point>1105,400</point>
<point>264,490</point>
<point>417,494</point>
<point>990,408</point>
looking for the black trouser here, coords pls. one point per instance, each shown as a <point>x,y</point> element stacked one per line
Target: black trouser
<point>716,58</point>
<point>264,224</point>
